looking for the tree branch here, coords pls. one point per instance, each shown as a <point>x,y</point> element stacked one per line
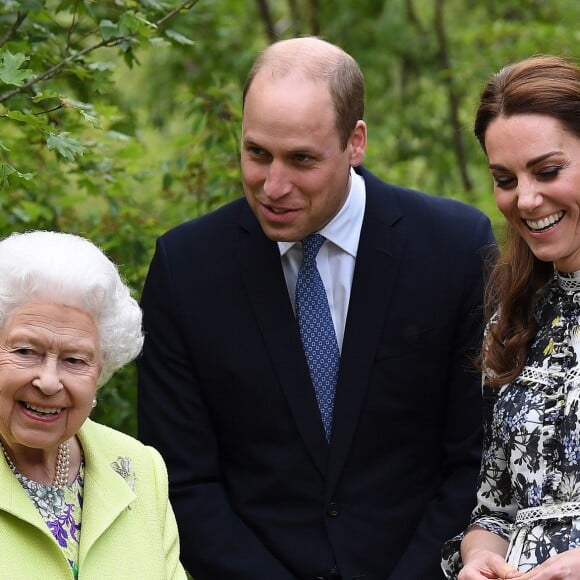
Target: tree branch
<point>188,5</point>
<point>452,96</point>
<point>413,18</point>
<point>314,17</point>
<point>72,26</point>
<point>115,41</point>
<point>267,20</point>
<point>20,17</point>
<point>295,17</point>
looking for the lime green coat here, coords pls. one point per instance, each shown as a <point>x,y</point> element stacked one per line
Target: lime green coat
<point>125,534</point>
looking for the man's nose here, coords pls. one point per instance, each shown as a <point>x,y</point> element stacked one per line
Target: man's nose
<point>277,183</point>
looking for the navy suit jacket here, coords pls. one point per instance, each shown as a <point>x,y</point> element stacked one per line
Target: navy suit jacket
<point>225,395</point>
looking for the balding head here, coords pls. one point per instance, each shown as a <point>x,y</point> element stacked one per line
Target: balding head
<point>315,59</point>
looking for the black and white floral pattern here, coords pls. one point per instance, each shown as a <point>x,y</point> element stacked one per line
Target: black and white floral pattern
<point>531,454</point>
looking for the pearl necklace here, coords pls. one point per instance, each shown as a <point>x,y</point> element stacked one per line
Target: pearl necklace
<point>62,470</point>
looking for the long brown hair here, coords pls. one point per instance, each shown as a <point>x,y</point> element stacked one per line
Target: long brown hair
<point>544,85</point>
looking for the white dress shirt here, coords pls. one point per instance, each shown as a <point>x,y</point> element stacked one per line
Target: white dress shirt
<point>336,258</point>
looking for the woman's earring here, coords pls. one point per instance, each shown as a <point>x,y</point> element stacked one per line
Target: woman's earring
<point>94,403</point>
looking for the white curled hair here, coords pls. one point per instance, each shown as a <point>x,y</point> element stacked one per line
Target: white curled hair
<point>68,269</point>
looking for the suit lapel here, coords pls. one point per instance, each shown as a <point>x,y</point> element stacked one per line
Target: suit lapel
<point>14,500</point>
<point>379,256</point>
<point>263,280</point>
<point>106,493</point>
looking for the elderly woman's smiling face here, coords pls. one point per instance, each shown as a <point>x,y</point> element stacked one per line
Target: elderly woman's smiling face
<point>50,362</point>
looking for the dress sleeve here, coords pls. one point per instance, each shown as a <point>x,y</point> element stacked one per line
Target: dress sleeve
<point>496,505</point>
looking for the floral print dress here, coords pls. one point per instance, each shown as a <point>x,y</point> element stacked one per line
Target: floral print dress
<point>529,484</point>
<point>61,509</point>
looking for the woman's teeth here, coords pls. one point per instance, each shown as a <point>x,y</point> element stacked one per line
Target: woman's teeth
<point>43,410</point>
<point>546,222</point>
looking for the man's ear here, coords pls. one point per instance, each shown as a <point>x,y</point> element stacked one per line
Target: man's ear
<point>357,143</point>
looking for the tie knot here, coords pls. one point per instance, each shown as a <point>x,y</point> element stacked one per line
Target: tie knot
<point>310,246</point>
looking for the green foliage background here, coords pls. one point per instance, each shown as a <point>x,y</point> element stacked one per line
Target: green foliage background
<point>120,119</point>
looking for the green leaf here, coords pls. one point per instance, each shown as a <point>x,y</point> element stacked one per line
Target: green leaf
<point>152,4</point>
<point>128,23</point>
<point>31,5</point>
<point>7,171</point>
<point>159,42</point>
<point>101,66</point>
<point>43,95</point>
<point>108,29</point>
<point>67,147</point>
<point>70,201</point>
<point>87,110</point>
<point>10,71</point>
<point>32,211</point>
<point>28,118</point>
<point>179,38</point>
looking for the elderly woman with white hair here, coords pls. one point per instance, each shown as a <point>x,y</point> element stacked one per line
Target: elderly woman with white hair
<point>77,499</point>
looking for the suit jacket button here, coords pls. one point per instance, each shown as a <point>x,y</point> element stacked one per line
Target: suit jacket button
<point>333,509</point>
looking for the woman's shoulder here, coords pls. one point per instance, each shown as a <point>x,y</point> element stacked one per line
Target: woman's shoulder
<point>102,439</point>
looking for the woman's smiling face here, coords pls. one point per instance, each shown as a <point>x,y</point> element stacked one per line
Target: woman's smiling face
<point>535,163</point>
<point>50,362</point>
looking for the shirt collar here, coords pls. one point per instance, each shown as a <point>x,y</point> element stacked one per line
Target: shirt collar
<point>344,228</point>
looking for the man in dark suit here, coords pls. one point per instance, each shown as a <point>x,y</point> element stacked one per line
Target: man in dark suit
<point>269,479</point>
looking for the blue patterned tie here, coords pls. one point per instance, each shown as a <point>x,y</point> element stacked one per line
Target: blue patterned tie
<point>317,330</point>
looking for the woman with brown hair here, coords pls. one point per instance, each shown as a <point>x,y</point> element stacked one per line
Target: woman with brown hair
<point>527,521</point>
